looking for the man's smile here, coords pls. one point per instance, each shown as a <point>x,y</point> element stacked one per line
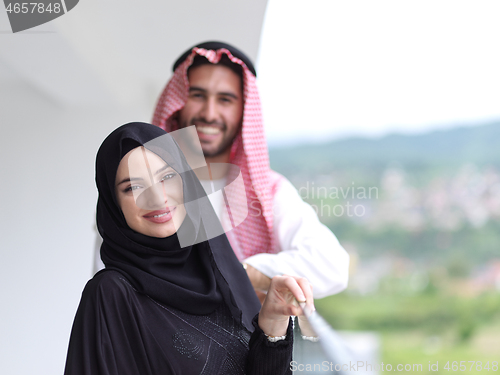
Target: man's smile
<point>208,129</point>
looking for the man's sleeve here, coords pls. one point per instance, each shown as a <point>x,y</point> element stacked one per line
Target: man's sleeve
<point>307,247</point>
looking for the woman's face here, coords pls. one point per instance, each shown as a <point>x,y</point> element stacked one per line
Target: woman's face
<point>150,194</point>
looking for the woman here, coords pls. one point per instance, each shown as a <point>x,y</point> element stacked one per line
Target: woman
<point>171,300</point>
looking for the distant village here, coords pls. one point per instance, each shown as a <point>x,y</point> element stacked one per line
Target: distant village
<point>470,197</point>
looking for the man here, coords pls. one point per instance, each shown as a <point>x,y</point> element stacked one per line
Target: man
<point>214,88</point>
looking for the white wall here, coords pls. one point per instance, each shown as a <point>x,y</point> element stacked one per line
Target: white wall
<point>47,212</point>
<point>63,87</point>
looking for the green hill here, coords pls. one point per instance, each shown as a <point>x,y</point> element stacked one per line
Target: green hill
<point>437,149</point>
<point>430,164</point>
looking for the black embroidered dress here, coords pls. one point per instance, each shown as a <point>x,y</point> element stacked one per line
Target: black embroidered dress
<point>159,308</point>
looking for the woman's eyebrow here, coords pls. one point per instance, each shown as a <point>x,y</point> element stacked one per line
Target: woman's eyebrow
<point>166,166</point>
<point>128,179</point>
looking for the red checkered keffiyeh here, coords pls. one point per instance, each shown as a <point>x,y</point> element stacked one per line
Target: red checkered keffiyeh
<point>248,152</point>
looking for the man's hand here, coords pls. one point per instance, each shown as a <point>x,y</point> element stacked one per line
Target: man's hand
<point>259,281</point>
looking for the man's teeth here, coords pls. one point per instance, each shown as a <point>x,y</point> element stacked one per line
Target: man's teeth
<point>208,129</point>
<point>161,214</point>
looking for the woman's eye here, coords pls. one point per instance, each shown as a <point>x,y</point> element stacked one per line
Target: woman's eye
<point>131,188</point>
<point>168,176</point>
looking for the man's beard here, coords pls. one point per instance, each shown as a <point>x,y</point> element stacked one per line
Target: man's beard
<point>224,146</point>
<point>226,142</point>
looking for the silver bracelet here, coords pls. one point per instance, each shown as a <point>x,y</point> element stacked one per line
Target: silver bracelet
<point>275,338</point>
<point>310,338</point>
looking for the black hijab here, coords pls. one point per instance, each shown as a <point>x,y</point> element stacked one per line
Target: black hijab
<point>194,279</point>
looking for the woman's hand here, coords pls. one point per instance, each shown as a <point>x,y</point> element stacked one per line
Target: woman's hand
<point>282,300</point>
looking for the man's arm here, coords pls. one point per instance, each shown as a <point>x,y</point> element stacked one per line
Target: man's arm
<point>307,247</point>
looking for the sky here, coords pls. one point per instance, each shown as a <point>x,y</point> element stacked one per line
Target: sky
<point>332,69</point>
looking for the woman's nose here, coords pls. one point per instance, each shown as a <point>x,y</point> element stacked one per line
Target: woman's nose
<point>156,197</point>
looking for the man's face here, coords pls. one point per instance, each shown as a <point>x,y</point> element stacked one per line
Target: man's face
<point>214,106</point>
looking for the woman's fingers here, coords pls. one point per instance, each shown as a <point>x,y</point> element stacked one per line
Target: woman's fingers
<point>308,293</point>
<point>294,291</point>
<point>282,300</point>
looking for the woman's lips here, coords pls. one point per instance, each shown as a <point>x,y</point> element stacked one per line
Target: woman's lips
<point>160,216</point>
